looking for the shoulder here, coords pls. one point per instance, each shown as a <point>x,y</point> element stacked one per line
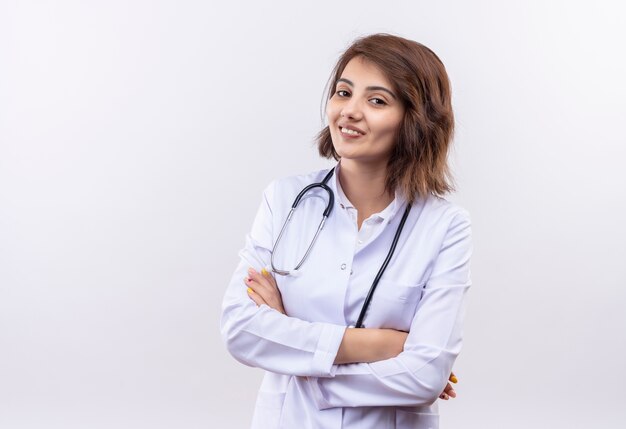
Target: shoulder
<point>443,213</point>
<point>281,193</point>
<point>289,187</point>
<point>301,180</point>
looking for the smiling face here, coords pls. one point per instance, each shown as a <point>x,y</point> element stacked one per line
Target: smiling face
<point>364,114</point>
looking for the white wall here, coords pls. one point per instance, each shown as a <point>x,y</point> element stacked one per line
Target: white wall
<point>135,140</point>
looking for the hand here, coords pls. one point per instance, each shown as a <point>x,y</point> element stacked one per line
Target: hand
<point>448,391</point>
<point>262,289</point>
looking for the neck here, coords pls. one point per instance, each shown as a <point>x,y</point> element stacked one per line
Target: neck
<point>364,185</point>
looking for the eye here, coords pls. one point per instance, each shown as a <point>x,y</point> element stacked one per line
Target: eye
<point>378,101</point>
<point>342,93</point>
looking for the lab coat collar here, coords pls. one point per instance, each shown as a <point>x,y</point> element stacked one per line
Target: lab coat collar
<point>342,200</point>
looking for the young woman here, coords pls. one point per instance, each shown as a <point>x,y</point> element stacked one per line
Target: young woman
<point>358,324</point>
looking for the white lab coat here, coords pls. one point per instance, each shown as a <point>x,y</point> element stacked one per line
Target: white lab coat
<point>422,291</point>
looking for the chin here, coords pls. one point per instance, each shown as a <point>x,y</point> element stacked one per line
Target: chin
<point>342,153</point>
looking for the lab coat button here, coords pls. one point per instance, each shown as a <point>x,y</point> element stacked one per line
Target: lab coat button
<point>343,266</point>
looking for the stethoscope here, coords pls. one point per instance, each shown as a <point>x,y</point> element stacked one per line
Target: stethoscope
<point>327,211</point>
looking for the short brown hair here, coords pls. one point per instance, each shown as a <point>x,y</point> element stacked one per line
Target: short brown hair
<point>418,164</point>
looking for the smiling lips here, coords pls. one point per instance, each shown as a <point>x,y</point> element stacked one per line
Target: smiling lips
<point>351,132</point>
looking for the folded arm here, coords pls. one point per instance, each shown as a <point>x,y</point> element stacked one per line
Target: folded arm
<point>419,373</point>
<point>357,345</point>
<point>263,337</point>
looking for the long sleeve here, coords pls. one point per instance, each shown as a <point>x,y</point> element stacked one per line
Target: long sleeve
<point>417,375</point>
<point>262,337</point>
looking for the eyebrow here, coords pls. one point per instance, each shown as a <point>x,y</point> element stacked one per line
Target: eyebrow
<point>369,88</point>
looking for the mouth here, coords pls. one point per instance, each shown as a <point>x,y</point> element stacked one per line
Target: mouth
<point>350,132</point>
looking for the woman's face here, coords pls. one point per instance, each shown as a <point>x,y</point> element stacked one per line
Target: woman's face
<point>364,114</point>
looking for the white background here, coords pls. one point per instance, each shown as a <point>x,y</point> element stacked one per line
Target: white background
<point>136,138</point>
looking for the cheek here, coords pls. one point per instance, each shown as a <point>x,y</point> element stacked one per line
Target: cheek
<point>395,122</point>
<point>387,128</point>
<point>332,112</point>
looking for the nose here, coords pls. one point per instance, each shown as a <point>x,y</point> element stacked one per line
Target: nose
<point>351,109</point>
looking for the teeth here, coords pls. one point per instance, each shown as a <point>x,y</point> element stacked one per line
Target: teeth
<point>349,131</point>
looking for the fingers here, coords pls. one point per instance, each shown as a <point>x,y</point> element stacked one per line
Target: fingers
<point>445,395</point>
<point>263,281</point>
<point>264,285</point>
<point>448,391</point>
<point>259,283</point>
<point>249,282</point>
<point>255,297</point>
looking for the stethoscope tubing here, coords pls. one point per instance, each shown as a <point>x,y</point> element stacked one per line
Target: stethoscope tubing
<point>327,211</point>
<point>383,267</point>
<point>329,208</point>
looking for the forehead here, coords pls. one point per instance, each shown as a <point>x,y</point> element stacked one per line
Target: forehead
<point>364,72</point>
